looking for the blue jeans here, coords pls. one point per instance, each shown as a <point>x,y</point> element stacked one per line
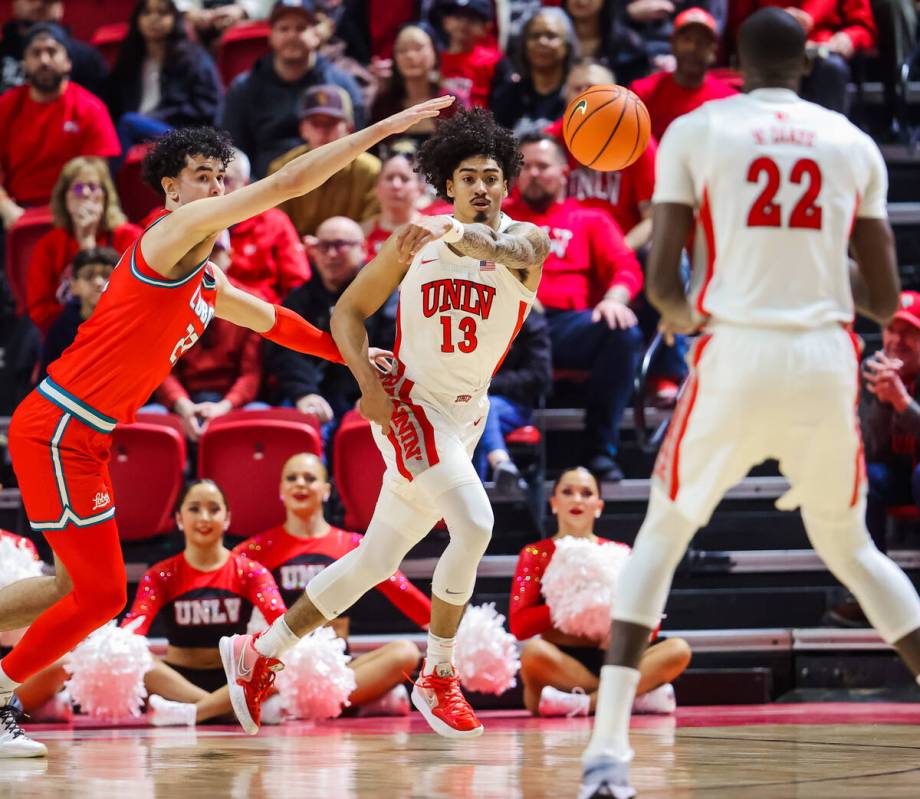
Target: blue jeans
<point>611,357</point>
<point>134,128</point>
<point>504,416</point>
<point>888,487</point>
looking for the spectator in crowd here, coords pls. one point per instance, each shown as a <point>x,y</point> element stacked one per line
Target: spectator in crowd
<point>668,95</point>
<point>589,278</point>
<point>262,107</point>
<point>161,80</point>
<point>46,122</point>
<point>555,665</point>
<point>370,27</point>
<point>534,99</point>
<point>300,548</point>
<point>326,115</point>
<point>524,377</point>
<point>593,23</point>
<point>643,33</point>
<point>896,21</point>
<point>20,350</point>
<point>89,275</point>
<point>471,66</point>
<point>312,385</point>
<point>189,685</point>
<point>626,194</point>
<point>414,78</point>
<point>836,31</point>
<point>267,257</point>
<point>209,19</point>
<point>88,66</point>
<point>87,214</point>
<point>399,190</point>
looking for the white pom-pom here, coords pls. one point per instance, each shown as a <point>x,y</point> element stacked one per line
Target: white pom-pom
<point>257,623</point>
<point>316,681</point>
<point>107,673</point>
<point>579,584</point>
<point>17,561</point>
<point>485,654</point>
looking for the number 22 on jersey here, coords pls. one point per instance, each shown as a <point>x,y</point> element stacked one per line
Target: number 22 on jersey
<point>766,212</point>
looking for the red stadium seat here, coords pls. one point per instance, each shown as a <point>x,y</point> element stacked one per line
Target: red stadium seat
<point>146,468</point>
<point>358,470</point>
<point>107,40</point>
<point>282,414</point>
<point>20,241</point>
<point>169,420</point>
<point>137,198</point>
<point>240,47</point>
<point>525,436</point>
<point>245,458</point>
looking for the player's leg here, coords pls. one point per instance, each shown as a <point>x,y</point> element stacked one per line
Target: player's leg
<point>21,602</point>
<point>378,672</point>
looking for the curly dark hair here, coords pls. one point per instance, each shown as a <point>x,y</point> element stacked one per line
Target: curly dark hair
<point>167,157</point>
<point>466,135</point>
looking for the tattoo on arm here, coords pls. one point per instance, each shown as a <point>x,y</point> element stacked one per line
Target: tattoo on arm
<point>522,246</point>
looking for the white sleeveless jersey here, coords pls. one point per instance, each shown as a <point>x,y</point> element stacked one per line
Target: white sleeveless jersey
<point>777,182</point>
<point>457,318</point>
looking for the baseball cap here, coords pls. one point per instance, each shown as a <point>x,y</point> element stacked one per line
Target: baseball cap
<point>910,308</point>
<point>305,7</point>
<point>481,8</point>
<point>51,29</point>
<point>696,16</point>
<point>329,100</point>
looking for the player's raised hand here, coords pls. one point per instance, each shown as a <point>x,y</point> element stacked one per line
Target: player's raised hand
<point>412,116</point>
<point>415,235</point>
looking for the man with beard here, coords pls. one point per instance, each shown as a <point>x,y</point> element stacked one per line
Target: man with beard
<point>589,278</point>
<point>46,122</point>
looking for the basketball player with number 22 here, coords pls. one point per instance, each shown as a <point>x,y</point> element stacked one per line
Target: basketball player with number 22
<point>467,283</point>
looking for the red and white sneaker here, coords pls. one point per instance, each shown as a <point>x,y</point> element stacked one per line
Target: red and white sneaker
<point>437,696</point>
<point>250,676</point>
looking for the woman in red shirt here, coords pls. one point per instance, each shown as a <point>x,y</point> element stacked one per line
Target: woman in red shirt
<point>204,593</point>
<point>560,671</point>
<point>86,214</point>
<point>296,551</point>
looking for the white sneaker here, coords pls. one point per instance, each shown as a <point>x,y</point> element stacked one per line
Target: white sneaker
<point>166,713</point>
<point>659,701</point>
<point>394,702</point>
<point>273,710</point>
<point>554,703</point>
<point>606,778</point>
<point>13,741</point>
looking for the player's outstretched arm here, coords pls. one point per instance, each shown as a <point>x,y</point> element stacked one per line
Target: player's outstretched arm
<point>875,282</point>
<point>274,322</point>
<point>671,226</point>
<point>168,242</point>
<point>367,292</point>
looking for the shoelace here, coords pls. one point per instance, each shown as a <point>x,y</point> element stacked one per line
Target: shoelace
<point>454,701</point>
<point>9,723</point>
<point>267,678</point>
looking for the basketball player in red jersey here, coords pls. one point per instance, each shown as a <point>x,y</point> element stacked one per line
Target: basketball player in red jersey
<point>466,284</point>
<point>159,300</point>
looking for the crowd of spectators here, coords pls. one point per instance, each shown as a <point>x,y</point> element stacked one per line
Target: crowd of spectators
<point>69,117</point>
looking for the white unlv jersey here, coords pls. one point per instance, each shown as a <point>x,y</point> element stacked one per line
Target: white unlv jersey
<point>457,318</point>
<point>778,183</point>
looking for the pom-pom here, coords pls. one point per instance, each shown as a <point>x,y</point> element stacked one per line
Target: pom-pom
<point>257,623</point>
<point>107,672</point>
<point>485,654</point>
<point>579,584</point>
<point>316,681</point>
<point>17,562</point>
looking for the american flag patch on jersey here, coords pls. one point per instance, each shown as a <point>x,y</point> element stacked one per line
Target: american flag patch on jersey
<point>487,266</point>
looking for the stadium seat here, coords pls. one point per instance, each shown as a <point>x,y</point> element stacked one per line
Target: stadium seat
<point>107,40</point>
<point>146,468</point>
<point>240,47</point>
<point>358,469</point>
<point>244,457</point>
<point>169,420</point>
<point>259,414</point>
<point>83,17</point>
<point>20,241</point>
<point>137,198</point>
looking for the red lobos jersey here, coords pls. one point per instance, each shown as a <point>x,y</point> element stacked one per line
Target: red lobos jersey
<point>142,325</point>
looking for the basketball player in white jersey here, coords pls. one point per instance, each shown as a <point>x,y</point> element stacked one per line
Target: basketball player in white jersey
<point>466,283</point>
<point>779,188</point>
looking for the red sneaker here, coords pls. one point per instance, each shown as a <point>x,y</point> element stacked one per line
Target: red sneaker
<point>437,696</point>
<point>250,676</point>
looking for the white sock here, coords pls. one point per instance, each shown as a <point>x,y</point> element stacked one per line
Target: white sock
<point>440,650</point>
<point>611,717</point>
<point>276,640</point>
<point>7,686</point>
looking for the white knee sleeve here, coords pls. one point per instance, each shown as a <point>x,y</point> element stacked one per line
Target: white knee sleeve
<point>884,592</point>
<point>644,583</point>
<point>469,520</point>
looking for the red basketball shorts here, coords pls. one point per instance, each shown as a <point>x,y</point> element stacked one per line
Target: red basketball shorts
<point>61,464</point>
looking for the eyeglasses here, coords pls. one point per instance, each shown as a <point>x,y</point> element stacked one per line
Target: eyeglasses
<point>336,244</point>
<point>80,189</point>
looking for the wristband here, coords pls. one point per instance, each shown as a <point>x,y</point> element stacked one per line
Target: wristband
<point>455,233</point>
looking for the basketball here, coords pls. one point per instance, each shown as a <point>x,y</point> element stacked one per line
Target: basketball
<point>606,127</point>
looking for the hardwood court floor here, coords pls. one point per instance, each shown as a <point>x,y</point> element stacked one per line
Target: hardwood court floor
<point>771,752</point>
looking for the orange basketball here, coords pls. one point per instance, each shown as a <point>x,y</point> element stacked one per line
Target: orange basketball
<point>606,127</point>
